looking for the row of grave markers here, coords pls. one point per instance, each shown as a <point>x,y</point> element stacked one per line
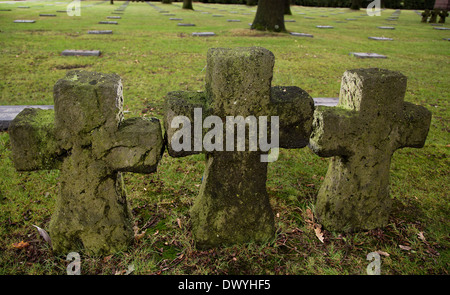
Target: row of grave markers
<point>120,10</point>
<point>87,138</point>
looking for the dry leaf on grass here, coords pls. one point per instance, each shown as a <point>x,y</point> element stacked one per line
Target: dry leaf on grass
<point>137,235</point>
<point>421,236</point>
<point>44,234</point>
<point>406,248</point>
<point>318,231</point>
<point>20,245</point>
<point>383,253</point>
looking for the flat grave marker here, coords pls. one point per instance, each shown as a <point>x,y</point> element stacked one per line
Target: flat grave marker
<point>100,32</point>
<point>301,35</point>
<point>185,25</point>
<point>24,21</point>
<point>203,34</point>
<point>108,22</point>
<point>367,55</point>
<point>45,14</point>
<point>325,27</point>
<point>386,28</point>
<point>381,38</point>
<point>114,17</point>
<point>71,52</point>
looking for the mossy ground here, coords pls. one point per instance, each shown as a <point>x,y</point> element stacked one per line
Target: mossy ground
<point>154,56</point>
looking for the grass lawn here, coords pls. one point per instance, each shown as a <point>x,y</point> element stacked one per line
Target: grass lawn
<point>154,56</point>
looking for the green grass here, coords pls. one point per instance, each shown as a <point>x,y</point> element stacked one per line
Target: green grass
<point>154,56</point>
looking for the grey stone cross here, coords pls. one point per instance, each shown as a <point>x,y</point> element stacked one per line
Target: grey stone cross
<point>233,204</point>
<point>361,134</point>
<point>87,138</point>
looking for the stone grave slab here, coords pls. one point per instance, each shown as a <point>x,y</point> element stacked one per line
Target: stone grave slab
<point>175,18</point>
<point>381,38</point>
<point>24,21</point>
<point>101,32</point>
<point>367,55</point>
<point>301,35</point>
<point>233,20</point>
<point>203,34</point>
<point>386,28</point>
<point>71,52</point>
<point>326,101</point>
<point>5,10</point>
<point>441,28</point>
<point>108,22</point>
<point>45,14</point>
<point>114,17</point>
<point>289,20</point>
<point>185,25</point>
<point>325,27</point>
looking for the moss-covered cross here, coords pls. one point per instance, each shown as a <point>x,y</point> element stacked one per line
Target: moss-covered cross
<point>233,204</point>
<point>87,138</point>
<point>369,124</point>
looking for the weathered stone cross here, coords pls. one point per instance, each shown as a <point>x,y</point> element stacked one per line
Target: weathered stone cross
<point>87,138</point>
<point>370,122</point>
<point>233,204</point>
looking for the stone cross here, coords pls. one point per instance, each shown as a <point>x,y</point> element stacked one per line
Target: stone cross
<point>233,204</point>
<point>425,15</point>
<point>369,124</point>
<point>87,138</point>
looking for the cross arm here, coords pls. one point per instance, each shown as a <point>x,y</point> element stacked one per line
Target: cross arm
<point>180,107</point>
<point>414,126</point>
<point>334,129</point>
<point>295,108</point>
<point>33,142</point>
<point>136,146</point>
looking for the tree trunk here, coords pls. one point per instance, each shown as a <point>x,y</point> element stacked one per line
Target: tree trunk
<point>112,1</point>
<point>269,16</point>
<point>287,7</point>
<point>187,4</point>
<point>166,1</point>
<point>356,4</point>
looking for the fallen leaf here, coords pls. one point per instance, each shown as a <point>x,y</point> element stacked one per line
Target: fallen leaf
<point>383,253</point>
<point>137,235</point>
<point>309,215</point>
<point>179,222</point>
<point>406,248</point>
<point>421,236</point>
<point>44,234</point>
<point>21,245</point>
<point>319,233</point>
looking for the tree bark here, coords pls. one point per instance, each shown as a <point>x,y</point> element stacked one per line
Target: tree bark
<point>287,7</point>
<point>269,16</point>
<point>187,4</point>
<point>111,2</point>
<point>356,4</point>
